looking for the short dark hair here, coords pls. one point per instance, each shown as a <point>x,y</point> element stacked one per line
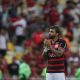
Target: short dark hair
<point>57,29</point>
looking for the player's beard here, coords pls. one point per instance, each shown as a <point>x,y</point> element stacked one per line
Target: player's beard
<point>52,37</point>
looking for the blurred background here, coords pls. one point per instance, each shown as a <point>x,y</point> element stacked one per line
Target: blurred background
<point>23,27</point>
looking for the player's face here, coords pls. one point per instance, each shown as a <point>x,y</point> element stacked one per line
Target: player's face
<point>52,33</point>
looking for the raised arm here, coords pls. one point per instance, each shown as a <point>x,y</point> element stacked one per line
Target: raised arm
<point>46,48</point>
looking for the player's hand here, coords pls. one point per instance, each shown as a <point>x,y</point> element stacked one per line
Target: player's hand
<point>47,42</point>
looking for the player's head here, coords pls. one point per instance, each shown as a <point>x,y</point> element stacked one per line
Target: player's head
<point>54,31</point>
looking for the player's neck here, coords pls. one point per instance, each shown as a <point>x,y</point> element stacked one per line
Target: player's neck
<point>54,40</point>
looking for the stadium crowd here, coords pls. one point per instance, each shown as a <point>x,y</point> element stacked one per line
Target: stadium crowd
<point>24,25</point>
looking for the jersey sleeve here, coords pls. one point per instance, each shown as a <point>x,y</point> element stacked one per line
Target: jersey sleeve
<point>62,44</point>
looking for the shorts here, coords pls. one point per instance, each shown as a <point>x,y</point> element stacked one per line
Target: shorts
<point>55,76</point>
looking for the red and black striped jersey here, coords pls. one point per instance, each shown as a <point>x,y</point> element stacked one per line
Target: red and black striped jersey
<point>56,64</point>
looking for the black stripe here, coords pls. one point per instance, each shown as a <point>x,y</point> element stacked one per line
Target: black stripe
<point>56,57</point>
<point>56,62</point>
<point>55,67</point>
<point>55,71</point>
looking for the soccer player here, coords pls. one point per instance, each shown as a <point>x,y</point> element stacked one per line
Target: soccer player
<point>54,48</point>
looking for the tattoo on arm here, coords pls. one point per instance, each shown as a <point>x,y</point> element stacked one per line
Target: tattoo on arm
<point>58,52</point>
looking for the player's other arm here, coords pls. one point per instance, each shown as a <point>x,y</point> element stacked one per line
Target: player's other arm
<point>45,49</point>
<point>45,53</point>
<point>60,50</point>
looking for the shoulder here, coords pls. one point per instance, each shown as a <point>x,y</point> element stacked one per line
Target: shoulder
<point>62,43</point>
